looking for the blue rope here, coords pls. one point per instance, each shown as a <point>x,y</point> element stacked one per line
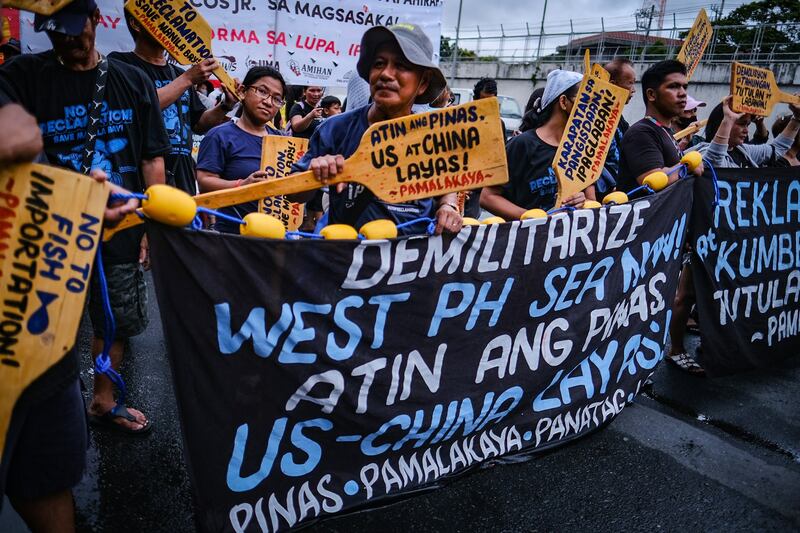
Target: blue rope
<point>714,180</point>
<point>223,216</point>
<point>640,188</point>
<point>304,234</point>
<point>102,363</point>
<point>431,224</point>
<point>560,209</point>
<point>126,196</point>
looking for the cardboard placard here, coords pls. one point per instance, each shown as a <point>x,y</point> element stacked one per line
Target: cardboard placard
<point>418,156</point>
<point>42,7</point>
<point>696,43</point>
<point>50,225</point>
<point>181,30</point>
<point>277,156</point>
<point>587,137</point>
<point>691,130</point>
<point>755,90</point>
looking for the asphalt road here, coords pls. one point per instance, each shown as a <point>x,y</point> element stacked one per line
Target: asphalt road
<point>691,455</point>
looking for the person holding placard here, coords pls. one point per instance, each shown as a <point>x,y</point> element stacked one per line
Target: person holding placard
<point>532,182</point>
<point>181,108</point>
<point>230,154</point>
<point>790,158</point>
<point>397,63</point>
<point>648,146</point>
<point>98,113</point>
<point>728,133</point>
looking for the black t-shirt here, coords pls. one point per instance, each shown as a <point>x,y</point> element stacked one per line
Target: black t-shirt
<point>303,108</point>
<point>531,180</point>
<point>645,146</point>
<point>130,127</point>
<point>179,120</point>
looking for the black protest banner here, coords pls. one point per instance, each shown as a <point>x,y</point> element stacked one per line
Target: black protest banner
<point>316,377</point>
<point>746,268</point>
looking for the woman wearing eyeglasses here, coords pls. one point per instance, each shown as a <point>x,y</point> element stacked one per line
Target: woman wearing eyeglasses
<point>230,154</point>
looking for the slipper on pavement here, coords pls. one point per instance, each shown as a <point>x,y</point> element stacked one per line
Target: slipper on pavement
<point>108,421</point>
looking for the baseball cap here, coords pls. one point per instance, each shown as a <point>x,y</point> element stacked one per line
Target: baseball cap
<point>558,81</point>
<point>691,103</point>
<point>69,20</point>
<point>416,47</point>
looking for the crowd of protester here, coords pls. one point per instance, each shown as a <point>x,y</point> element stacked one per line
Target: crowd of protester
<point>47,101</point>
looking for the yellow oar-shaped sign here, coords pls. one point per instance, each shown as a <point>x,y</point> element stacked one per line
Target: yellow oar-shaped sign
<point>588,134</point>
<point>696,43</point>
<point>50,224</point>
<point>418,156</point>
<point>181,30</point>
<point>278,154</point>
<point>42,7</point>
<point>755,90</point>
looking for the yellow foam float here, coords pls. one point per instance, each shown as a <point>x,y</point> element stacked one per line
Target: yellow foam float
<point>493,220</point>
<point>262,226</point>
<point>656,181</point>
<point>169,205</point>
<point>692,159</point>
<point>469,221</point>
<point>591,204</point>
<point>533,213</point>
<point>616,197</point>
<point>379,229</point>
<point>339,232</point>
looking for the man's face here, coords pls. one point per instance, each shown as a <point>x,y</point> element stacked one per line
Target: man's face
<point>313,95</point>
<point>74,49</point>
<point>627,80</point>
<point>670,97</point>
<point>393,81</point>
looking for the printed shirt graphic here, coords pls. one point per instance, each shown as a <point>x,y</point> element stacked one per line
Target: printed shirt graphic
<point>356,205</point>
<point>532,183</point>
<point>179,120</point>
<point>130,127</point>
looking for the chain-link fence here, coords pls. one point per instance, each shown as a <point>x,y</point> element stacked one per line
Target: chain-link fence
<point>757,44</point>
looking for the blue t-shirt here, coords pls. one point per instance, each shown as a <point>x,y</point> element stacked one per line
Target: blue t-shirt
<point>356,205</point>
<point>233,154</point>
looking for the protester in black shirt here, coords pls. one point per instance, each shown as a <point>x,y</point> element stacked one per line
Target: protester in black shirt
<point>648,145</point>
<point>182,110</point>
<point>306,115</point>
<point>532,182</point>
<point>58,87</point>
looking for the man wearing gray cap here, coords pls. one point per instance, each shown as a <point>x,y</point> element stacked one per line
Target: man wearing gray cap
<point>396,61</point>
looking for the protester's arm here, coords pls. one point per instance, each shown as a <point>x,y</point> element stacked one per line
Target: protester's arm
<point>761,136</point>
<point>210,181</point>
<point>492,200</point>
<point>447,216</point>
<point>153,171</point>
<point>301,123</point>
<point>170,93</point>
<point>590,193</point>
<point>20,136</point>
<point>717,150</point>
<point>216,115</point>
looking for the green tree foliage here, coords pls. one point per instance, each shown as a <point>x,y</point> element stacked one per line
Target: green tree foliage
<point>783,16</point>
<point>446,50</point>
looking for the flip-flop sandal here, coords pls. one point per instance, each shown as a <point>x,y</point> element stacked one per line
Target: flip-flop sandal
<point>107,421</point>
<point>686,362</point>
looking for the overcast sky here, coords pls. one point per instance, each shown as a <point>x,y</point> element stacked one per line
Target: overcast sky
<point>585,15</point>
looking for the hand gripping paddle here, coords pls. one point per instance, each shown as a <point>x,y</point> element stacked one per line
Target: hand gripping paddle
<point>408,158</point>
<point>181,30</point>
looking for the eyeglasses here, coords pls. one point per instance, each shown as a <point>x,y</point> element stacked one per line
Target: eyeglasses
<point>265,95</point>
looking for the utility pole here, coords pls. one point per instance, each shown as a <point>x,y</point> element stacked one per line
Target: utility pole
<point>454,58</point>
<point>541,32</point>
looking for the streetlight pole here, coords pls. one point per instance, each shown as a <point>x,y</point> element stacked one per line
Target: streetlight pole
<point>454,59</point>
<point>541,31</point>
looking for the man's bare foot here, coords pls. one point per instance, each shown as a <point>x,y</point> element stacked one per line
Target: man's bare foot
<point>128,420</point>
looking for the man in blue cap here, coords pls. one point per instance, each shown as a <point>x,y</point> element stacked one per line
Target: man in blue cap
<point>97,113</point>
<point>397,63</point>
